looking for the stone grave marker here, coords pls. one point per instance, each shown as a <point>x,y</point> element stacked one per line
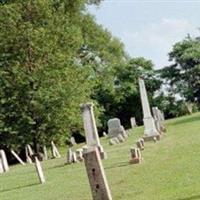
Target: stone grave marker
<point>17,157</point>
<point>150,130</point>
<point>139,145</point>
<point>69,156</point>
<point>91,133</point>
<point>79,154</point>
<point>115,128</point>
<point>4,161</point>
<point>39,170</point>
<point>96,175</point>
<point>55,152</point>
<point>133,122</point>
<point>136,157</point>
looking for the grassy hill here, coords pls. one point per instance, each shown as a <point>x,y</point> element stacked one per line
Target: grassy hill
<point>170,170</point>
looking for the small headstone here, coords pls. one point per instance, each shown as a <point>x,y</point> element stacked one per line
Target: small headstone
<point>140,145</point>
<point>74,158</point>
<point>115,128</point>
<point>104,134</point>
<point>39,170</point>
<point>30,151</point>
<point>55,152</point>
<point>96,175</point>
<point>4,161</point>
<point>79,155</point>
<point>112,141</point>
<point>45,152</point>
<point>72,141</point>
<point>1,166</point>
<point>28,158</point>
<point>133,122</point>
<point>135,156</point>
<point>69,156</point>
<point>17,157</point>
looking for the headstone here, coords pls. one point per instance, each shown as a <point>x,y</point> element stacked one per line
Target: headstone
<point>69,156</point>
<point>136,157</point>
<point>91,133</point>
<point>115,128</point>
<point>96,175</point>
<point>79,154</point>
<point>45,152</point>
<point>74,158</point>
<point>28,158</point>
<point>1,166</point>
<point>112,141</point>
<point>4,161</point>
<point>39,170</point>
<point>30,151</point>
<point>17,157</point>
<point>158,117</point>
<point>72,141</point>
<point>55,152</point>
<point>140,145</point>
<point>133,122</point>
<point>104,134</point>
<point>150,130</point>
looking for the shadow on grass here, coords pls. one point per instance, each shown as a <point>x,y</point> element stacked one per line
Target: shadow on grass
<point>121,164</point>
<point>186,120</point>
<point>190,198</point>
<point>19,187</point>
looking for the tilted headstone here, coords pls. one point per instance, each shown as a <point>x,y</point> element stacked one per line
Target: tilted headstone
<point>17,157</point>
<point>4,161</point>
<point>91,133</point>
<point>158,117</point>
<point>28,158</point>
<point>55,152</point>
<point>74,158</point>
<point>115,128</point>
<point>96,175</point>
<point>1,166</point>
<point>136,157</point>
<point>104,134</point>
<point>133,122</point>
<point>39,170</point>
<point>150,130</point>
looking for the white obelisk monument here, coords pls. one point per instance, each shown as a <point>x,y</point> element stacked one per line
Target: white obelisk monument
<point>150,130</point>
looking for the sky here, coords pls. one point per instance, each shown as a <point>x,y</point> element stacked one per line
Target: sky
<point>149,28</point>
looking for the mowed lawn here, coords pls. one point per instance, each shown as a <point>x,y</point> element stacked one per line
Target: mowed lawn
<point>170,170</point>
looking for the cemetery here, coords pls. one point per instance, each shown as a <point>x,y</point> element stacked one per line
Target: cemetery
<point>82,118</point>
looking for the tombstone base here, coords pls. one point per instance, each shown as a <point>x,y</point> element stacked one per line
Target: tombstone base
<point>151,138</point>
<point>135,161</point>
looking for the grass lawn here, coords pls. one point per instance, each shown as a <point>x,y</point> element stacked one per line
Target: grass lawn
<point>170,170</point>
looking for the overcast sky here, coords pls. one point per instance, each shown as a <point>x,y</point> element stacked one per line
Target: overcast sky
<point>149,28</point>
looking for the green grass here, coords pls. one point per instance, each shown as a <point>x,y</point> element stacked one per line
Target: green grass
<point>170,170</point>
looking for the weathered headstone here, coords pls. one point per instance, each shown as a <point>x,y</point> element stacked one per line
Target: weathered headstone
<point>39,170</point>
<point>150,130</point>
<point>45,152</point>
<point>4,161</point>
<point>17,157</point>
<point>74,158</point>
<point>115,128</point>
<point>72,141</point>
<point>91,133</point>
<point>104,134</point>
<point>55,152</point>
<point>140,145</point>
<point>133,122</point>
<point>28,158</point>
<point>112,141</point>
<point>135,156</point>
<point>96,175</point>
<point>69,156</point>
<point>79,154</point>
<point>1,166</point>
<point>159,120</point>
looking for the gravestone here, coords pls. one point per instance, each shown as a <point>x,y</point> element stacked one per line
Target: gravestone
<point>54,150</point>
<point>79,154</point>
<point>115,128</point>
<point>150,130</point>
<point>72,141</point>
<point>120,138</point>
<point>159,119</point>
<point>17,157</point>
<point>39,170</point>
<point>45,152</point>
<point>104,134</point>
<point>133,122</point>
<point>140,145</point>
<point>1,166</point>
<point>74,158</point>
<point>91,133</point>
<point>28,158</point>
<point>136,157</point>
<point>4,161</point>
<point>69,156</point>
<point>96,175</point>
